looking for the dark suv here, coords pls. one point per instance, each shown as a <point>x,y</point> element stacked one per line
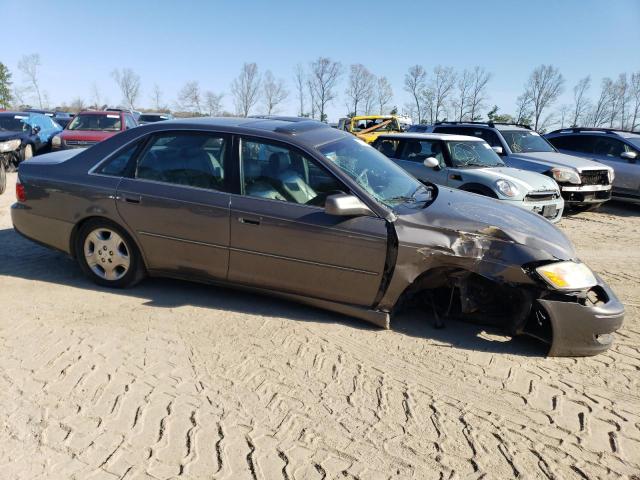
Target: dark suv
<point>583,183</point>
<point>617,148</point>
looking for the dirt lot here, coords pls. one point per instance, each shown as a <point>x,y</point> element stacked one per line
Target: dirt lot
<point>175,379</point>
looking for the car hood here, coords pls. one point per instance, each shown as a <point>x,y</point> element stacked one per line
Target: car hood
<point>466,214</point>
<point>525,180</point>
<point>4,136</point>
<point>87,135</point>
<point>554,159</point>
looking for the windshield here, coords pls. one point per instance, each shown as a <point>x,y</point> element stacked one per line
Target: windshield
<point>473,154</point>
<point>523,141</point>
<point>14,123</point>
<point>107,123</point>
<point>375,124</point>
<point>383,179</point>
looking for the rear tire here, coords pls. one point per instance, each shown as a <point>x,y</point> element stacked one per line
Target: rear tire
<point>3,177</point>
<point>107,254</point>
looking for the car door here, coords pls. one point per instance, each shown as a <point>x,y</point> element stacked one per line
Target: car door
<point>411,155</point>
<point>177,203</point>
<point>282,239</point>
<point>608,150</point>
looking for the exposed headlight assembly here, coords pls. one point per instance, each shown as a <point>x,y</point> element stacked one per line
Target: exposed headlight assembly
<point>9,146</point>
<point>507,188</point>
<point>567,275</point>
<point>564,175</point>
<point>56,141</point>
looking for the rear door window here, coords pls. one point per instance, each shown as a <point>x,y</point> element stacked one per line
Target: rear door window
<point>189,159</point>
<point>387,147</point>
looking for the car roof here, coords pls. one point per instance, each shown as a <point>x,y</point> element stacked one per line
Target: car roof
<point>497,126</point>
<point>431,136</point>
<point>98,112</point>
<point>312,133</point>
<point>23,114</point>
<point>594,130</point>
<point>155,113</point>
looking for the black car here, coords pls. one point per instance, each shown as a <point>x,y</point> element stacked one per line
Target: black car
<point>22,135</point>
<point>152,117</point>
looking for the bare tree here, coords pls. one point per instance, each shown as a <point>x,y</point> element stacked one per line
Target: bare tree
<point>29,66</point>
<point>156,97</point>
<point>442,83</point>
<point>543,89</point>
<point>312,97</point>
<point>300,82</point>
<point>213,103</point>
<point>361,86</point>
<point>581,102</point>
<point>564,111</point>
<point>600,111</point>
<point>635,95</point>
<point>478,94</point>
<point>523,109</point>
<point>96,95</point>
<point>246,89</point>
<point>78,104</point>
<point>324,76</point>
<point>384,94</point>
<point>129,83</point>
<point>414,83</point>
<point>19,95</point>
<point>622,95</point>
<point>463,93</point>
<point>274,92</point>
<point>190,97</point>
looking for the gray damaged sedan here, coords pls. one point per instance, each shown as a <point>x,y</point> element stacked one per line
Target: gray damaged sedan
<point>294,208</point>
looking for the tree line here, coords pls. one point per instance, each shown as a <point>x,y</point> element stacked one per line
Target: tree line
<point>437,95</point>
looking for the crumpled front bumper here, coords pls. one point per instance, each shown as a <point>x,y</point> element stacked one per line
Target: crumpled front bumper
<point>581,330</point>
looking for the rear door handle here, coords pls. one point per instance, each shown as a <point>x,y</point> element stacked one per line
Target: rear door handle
<point>131,198</point>
<point>248,221</point>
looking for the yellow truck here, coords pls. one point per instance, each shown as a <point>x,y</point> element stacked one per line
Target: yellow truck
<point>369,127</point>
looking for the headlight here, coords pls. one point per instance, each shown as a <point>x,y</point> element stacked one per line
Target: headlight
<point>507,188</point>
<point>612,175</point>
<point>565,175</point>
<point>567,275</point>
<point>9,146</point>
<point>56,141</point>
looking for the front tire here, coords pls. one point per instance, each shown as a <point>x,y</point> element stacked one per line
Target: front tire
<point>107,255</point>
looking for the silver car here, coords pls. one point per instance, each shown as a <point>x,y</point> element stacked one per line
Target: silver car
<point>618,149</point>
<point>470,164</point>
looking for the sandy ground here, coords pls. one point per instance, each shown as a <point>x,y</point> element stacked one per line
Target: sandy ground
<point>172,379</point>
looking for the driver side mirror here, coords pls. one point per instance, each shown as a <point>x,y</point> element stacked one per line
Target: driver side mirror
<point>631,157</point>
<point>343,205</point>
<point>431,162</point>
<point>498,150</point>
<point>36,130</point>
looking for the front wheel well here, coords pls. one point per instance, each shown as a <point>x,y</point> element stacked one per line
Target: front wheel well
<point>452,292</point>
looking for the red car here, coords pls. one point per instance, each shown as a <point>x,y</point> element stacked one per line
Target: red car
<point>90,127</point>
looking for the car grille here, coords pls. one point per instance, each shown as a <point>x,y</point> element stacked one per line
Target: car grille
<point>80,143</point>
<point>595,177</point>
<point>541,196</point>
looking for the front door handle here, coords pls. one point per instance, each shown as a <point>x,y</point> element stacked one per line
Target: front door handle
<point>248,221</point>
<point>131,198</point>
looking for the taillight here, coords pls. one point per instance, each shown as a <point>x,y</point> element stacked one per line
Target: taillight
<point>20,193</point>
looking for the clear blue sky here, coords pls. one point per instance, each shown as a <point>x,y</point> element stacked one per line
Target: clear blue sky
<point>171,42</point>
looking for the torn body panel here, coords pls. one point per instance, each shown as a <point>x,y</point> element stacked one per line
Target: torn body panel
<point>470,259</point>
